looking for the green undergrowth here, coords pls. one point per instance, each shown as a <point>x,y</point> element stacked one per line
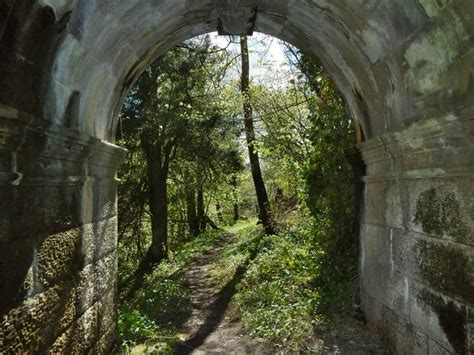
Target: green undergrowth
<point>149,321</point>
<point>299,280</point>
<point>237,253</point>
<point>289,286</point>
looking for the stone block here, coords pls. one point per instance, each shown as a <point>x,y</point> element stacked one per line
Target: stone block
<point>105,343</point>
<point>96,280</point>
<point>105,201</point>
<point>42,210</point>
<point>106,272</point>
<point>444,319</point>
<point>99,239</point>
<point>107,315</point>
<point>375,202</point>
<point>395,331</point>
<point>443,208</point>
<point>86,330</point>
<point>87,293</point>
<point>81,336</point>
<point>23,328</point>
<point>379,276</point>
<point>447,268</point>
<point>58,258</point>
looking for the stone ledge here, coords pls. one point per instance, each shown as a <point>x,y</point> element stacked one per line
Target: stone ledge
<point>9,179</point>
<point>418,174</point>
<point>453,132</point>
<point>42,150</point>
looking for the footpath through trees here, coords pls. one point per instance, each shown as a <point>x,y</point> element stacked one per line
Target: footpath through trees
<point>204,317</point>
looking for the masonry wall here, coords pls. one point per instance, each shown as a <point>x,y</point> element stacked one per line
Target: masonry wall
<point>57,205</point>
<point>417,237</point>
<point>57,238</point>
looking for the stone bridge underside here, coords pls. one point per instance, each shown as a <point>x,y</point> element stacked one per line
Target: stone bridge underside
<point>406,69</point>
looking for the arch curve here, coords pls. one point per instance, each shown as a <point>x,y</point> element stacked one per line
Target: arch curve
<point>105,48</point>
<point>406,71</point>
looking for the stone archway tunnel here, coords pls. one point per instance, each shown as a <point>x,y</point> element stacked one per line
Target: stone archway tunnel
<point>406,69</point>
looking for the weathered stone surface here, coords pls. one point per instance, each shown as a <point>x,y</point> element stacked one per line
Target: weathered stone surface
<point>95,281</point>
<point>417,260</point>
<point>98,239</point>
<point>105,343</point>
<point>405,69</point>
<point>440,316</point>
<point>80,336</point>
<point>23,328</point>
<point>395,331</point>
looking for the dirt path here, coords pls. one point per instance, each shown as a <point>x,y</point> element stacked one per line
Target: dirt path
<point>211,327</point>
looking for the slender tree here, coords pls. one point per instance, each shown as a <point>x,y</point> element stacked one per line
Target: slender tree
<point>235,197</point>
<point>262,196</point>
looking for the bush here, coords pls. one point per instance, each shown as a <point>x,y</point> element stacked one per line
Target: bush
<point>133,326</point>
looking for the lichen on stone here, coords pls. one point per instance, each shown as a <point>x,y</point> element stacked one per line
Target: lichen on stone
<point>439,213</point>
<point>451,318</point>
<point>446,269</point>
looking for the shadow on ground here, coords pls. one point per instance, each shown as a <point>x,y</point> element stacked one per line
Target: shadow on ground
<point>217,310</point>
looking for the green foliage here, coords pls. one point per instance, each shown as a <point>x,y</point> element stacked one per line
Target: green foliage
<point>238,252</point>
<point>300,278</point>
<point>306,274</point>
<point>163,303</point>
<point>294,286</point>
<point>330,191</point>
<point>162,296</point>
<point>275,299</point>
<point>134,326</point>
<point>175,125</point>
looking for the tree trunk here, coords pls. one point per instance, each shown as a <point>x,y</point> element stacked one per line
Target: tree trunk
<point>262,196</point>
<point>220,217</point>
<point>193,221</point>
<point>157,173</point>
<point>211,223</point>
<point>159,210</point>
<point>233,183</point>
<point>201,211</point>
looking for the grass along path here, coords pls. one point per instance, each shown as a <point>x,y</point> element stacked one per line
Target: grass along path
<point>197,313</point>
<point>183,306</point>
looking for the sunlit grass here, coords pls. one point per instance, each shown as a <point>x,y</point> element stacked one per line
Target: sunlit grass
<point>151,320</point>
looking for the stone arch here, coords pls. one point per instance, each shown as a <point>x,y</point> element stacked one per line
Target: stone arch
<point>405,69</point>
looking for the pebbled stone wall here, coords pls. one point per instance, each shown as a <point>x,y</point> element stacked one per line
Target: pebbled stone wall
<point>405,69</point>
<point>57,239</point>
